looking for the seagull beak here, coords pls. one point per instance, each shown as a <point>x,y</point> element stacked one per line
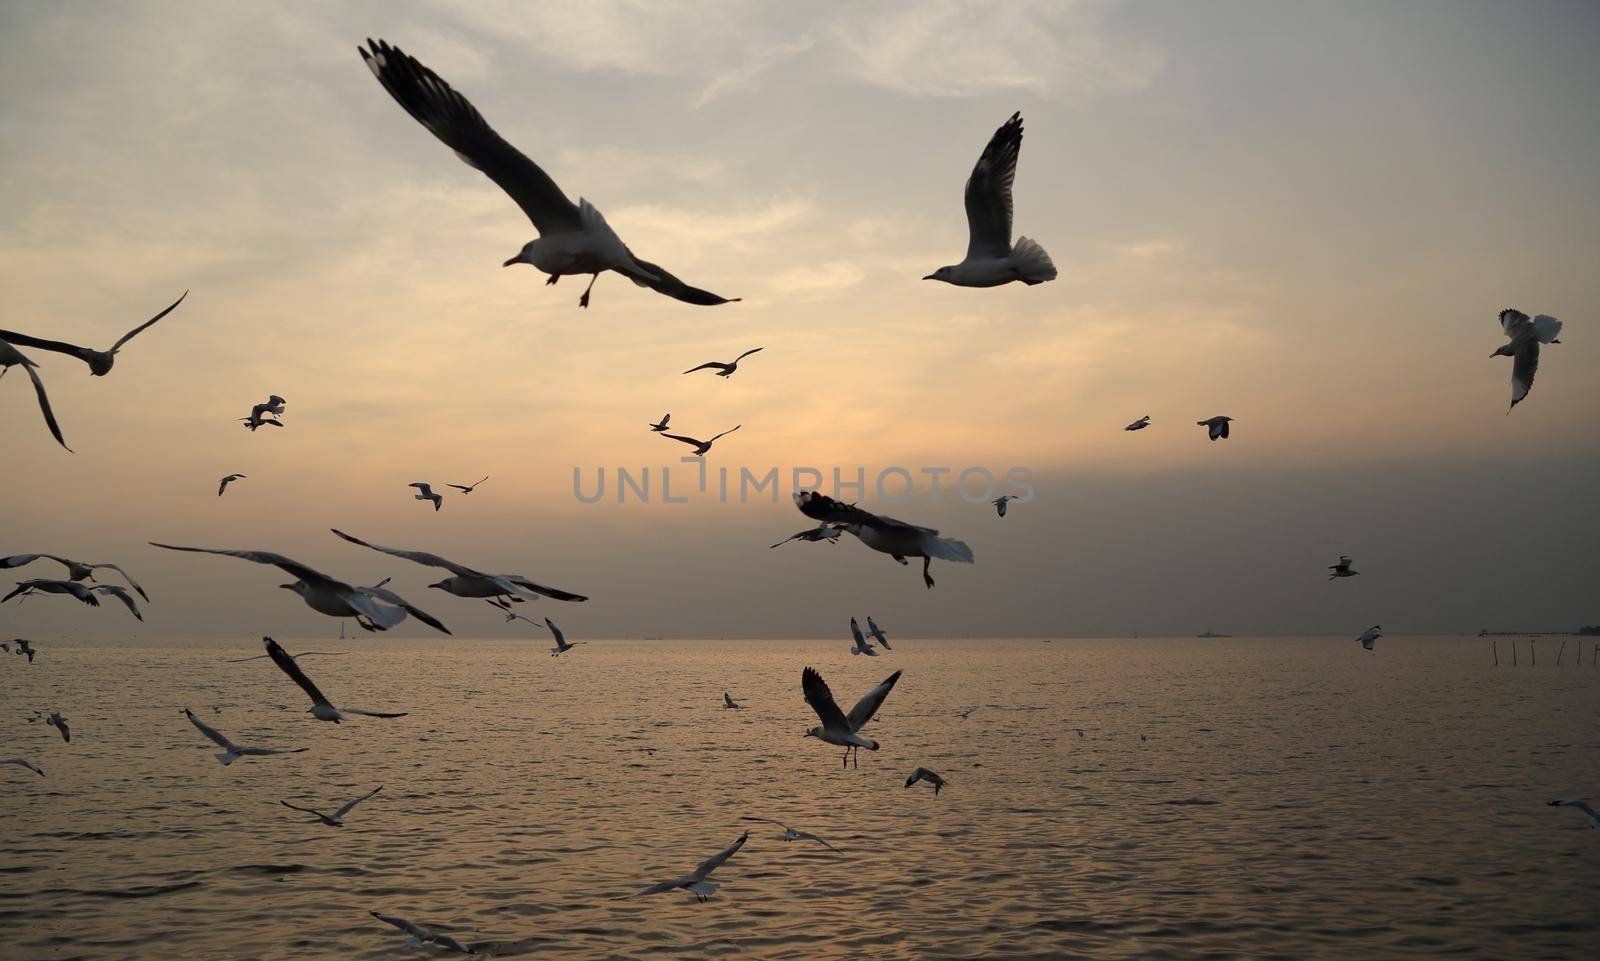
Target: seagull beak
<point>930,277</point>
<point>286,587</point>
<point>514,260</point>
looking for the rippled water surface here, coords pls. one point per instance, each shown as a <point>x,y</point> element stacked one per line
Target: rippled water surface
<point>1250,798</point>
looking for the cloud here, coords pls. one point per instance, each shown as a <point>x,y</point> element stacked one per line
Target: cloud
<point>746,73</point>
<point>818,278</point>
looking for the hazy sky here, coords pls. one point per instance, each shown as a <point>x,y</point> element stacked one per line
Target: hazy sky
<point>1304,216</point>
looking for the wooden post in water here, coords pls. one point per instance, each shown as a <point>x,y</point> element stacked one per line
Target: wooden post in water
<point>1513,652</point>
<point>1495,645</point>
<point>1534,650</point>
<point>1561,652</point>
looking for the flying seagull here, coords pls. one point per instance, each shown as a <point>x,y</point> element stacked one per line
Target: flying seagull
<point>1001,502</point>
<point>11,357</point>
<point>1525,335</point>
<point>965,713</point>
<point>76,570</point>
<point>662,425</point>
<point>822,532</point>
<point>923,774</point>
<point>28,588</point>
<point>790,834</point>
<point>701,446</point>
<point>877,634</point>
<point>1139,424</point>
<point>884,534</point>
<point>991,259</point>
<point>230,751</point>
<point>425,493</point>
<point>1341,569</point>
<point>336,819</point>
<point>258,657</point>
<point>728,703</point>
<point>837,727</point>
<point>468,582</point>
<point>121,594</point>
<point>1215,426</point>
<point>22,762</point>
<point>24,647</point>
<point>562,646</point>
<point>861,645</point>
<point>274,405</point>
<point>58,722</point>
<point>321,708</point>
<point>1594,819</point>
<point>226,481</point>
<point>99,361</point>
<point>695,882</point>
<point>573,239</point>
<point>374,608</point>
<point>725,370</point>
<point>253,423</point>
<point>421,935</point>
<point>1368,636</point>
<point>467,489</point>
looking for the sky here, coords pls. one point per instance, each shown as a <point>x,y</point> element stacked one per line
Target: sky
<point>1303,216</point>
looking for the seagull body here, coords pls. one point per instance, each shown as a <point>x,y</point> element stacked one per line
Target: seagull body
<point>728,703</point>
<point>724,370</point>
<point>321,708</point>
<point>99,361</point>
<point>1216,427</point>
<point>964,714</point>
<point>1341,569</point>
<point>861,645</point>
<point>1001,502</point>
<point>226,481</point>
<point>12,357</point>
<point>701,446</point>
<point>884,534</point>
<point>1594,819</point>
<point>573,238</point>
<point>1369,636</point>
<point>923,774</point>
<point>336,819</point>
<point>1139,424</point>
<point>877,634</point>
<point>58,722</point>
<point>1524,335</point>
<point>790,834</point>
<point>991,259</point>
<point>230,751</point>
<point>661,426</point>
<point>425,493</point>
<point>274,405</point>
<point>562,646</point>
<point>837,727</point>
<point>373,608</point>
<point>23,762</point>
<point>695,881</point>
<point>421,935</point>
<point>76,570</point>
<point>467,582</point>
<point>822,532</point>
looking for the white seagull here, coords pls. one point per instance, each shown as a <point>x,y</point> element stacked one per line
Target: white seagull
<point>661,425</point>
<point>728,369</point>
<point>228,480</point>
<point>991,259</point>
<point>425,493</point>
<point>467,489</point>
<point>877,633</point>
<point>1341,569</point>
<point>1594,819</point>
<point>421,935</point>
<point>695,881</point>
<point>822,532</point>
<point>923,774</point>
<point>1001,502</point>
<point>1139,424</point>
<point>728,703</point>
<point>321,708</point>
<point>230,751</point>
<point>573,238</point>
<point>23,762</point>
<point>11,357</point>
<point>99,361</point>
<point>1215,426</point>
<point>701,446</point>
<point>336,819</point>
<point>884,534</point>
<point>562,646</point>
<point>58,722</point>
<point>468,582</point>
<point>1525,335</point>
<point>790,834</point>
<point>76,570</point>
<point>861,645</point>
<point>837,727</point>
<point>1368,636</point>
<point>374,608</point>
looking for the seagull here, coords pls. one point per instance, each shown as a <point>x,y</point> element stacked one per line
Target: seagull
<point>226,481</point>
<point>99,361</point>
<point>965,713</point>
<point>24,647</point>
<point>421,935</point>
<point>468,489</point>
<point>1341,569</point>
<point>877,634</point>
<point>790,834</point>
<point>1215,426</point>
<point>321,708</point>
<point>336,819</point>
<point>1001,502</point>
<point>702,446</point>
<point>724,370</point>
<point>425,493</point>
<point>861,645</point>
<point>58,722</point>
<point>76,570</point>
<point>230,751</point>
<point>562,646</point>
<point>1594,819</point>
<point>510,614</point>
<point>728,703</point>
<point>11,357</point>
<point>991,259</point>
<point>468,582</point>
<point>1139,424</point>
<point>21,762</point>
<point>274,405</point>
<point>822,532</point>
<point>573,239</point>
<point>1525,337</point>
<point>695,882</point>
<point>121,594</point>
<point>923,774</point>
<point>884,534</point>
<point>258,657</point>
<point>836,727</point>
<point>252,423</point>
<point>662,426</point>
<point>374,608</point>
<point>1369,635</point>
<point>28,588</point>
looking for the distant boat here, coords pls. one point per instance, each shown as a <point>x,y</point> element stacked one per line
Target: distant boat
<point>1210,633</point>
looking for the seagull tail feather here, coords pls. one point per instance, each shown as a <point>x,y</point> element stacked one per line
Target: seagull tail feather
<point>1032,263</point>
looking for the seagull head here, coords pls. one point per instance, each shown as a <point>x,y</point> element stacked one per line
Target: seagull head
<point>1504,350</point>
<point>299,587</point>
<point>524,256</point>
<point>814,732</point>
<point>943,273</point>
<point>443,585</point>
